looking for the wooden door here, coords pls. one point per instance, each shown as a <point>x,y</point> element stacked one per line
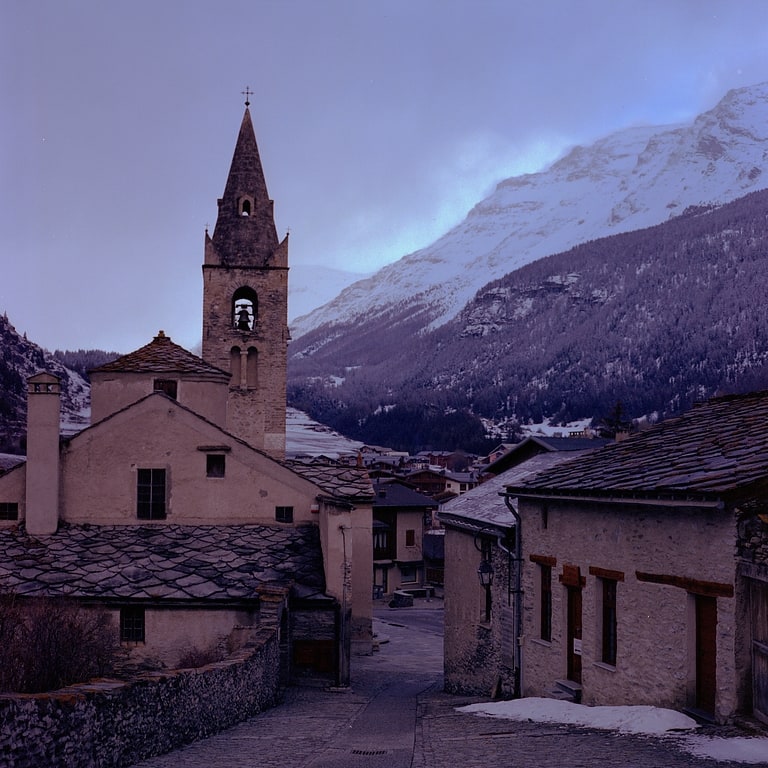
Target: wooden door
<point>574,634</point>
<point>759,609</point>
<point>706,653</point>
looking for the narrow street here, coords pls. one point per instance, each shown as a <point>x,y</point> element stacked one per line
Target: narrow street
<point>395,715</point>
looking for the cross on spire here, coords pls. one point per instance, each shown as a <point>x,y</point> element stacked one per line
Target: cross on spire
<point>247,93</point>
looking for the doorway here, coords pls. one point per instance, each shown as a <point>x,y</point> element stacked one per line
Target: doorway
<point>706,653</point>
<point>574,634</point>
<point>758,598</point>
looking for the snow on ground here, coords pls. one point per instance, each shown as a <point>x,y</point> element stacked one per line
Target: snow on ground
<point>306,436</point>
<point>646,720</point>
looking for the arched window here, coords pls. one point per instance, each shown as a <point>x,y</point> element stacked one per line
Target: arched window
<point>252,368</point>
<point>245,205</point>
<point>234,366</point>
<point>244,309</point>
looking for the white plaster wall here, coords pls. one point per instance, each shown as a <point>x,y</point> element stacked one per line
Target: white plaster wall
<point>655,643</point>
<point>99,472</point>
<point>112,392</point>
<point>172,632</point>
<point>13,486</point>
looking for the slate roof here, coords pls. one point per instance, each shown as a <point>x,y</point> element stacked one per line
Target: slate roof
<point>338,481</point>
<point>9,461</point>
<point>172,562</point>
<point>717,447</point>
<point>483,506</point>
<point>394,494</point>
<point>161,355</point>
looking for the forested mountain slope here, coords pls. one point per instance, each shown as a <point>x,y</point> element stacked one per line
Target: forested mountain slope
<point>655,318</point>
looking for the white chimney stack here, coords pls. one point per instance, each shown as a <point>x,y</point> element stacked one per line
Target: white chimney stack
<point>43,418</point>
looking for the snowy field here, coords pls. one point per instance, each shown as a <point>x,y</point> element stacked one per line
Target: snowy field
<point>305,436</point>
<point>651,721</point>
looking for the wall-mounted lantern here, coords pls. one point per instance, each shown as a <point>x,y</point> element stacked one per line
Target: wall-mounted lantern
<point>485,574</point>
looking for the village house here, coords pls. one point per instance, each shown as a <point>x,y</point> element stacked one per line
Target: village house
<point>176,510</point>
<point>480,587</point>
<point>400,515</point>
<point>645,567</point>
<point>441,484</point>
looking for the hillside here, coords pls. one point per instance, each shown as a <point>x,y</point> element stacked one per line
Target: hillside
<point>656,319</point>
<point>19,359</point>
<point>629,180</point>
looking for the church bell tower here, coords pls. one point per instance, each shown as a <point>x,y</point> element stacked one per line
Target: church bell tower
<point>245,300</point>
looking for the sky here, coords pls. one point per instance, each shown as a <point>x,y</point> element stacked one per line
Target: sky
<point>379,123</point>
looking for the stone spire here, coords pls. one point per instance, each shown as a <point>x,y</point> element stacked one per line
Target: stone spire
<point>245,232</point>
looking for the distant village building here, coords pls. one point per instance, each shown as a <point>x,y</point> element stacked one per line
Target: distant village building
<point>400,516</point>
<point>176,509</point>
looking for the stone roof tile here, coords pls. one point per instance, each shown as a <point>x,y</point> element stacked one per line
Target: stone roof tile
<point>716,448</point>
<point>161,355</point>
<point>167,561</point>
<point>346,483</point>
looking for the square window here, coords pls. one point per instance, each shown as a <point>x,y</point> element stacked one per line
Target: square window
<point>150,494</point>
<point>169,386</point>
<point>214,465</point>
<point>132,624</point>
<point>9,510</point>
<point>284,514</point>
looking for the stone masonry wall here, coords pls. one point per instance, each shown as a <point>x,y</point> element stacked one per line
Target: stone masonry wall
<point>655,639</point>
<point>477,660</point>
<point>107,723</point>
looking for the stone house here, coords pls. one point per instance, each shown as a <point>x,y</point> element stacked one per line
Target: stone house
<point>399,515</point>
<point>480,622</point>
<point>645,567</point>
<point>176,509</point>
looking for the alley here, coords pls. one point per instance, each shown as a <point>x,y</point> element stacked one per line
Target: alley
<point>396,716</point>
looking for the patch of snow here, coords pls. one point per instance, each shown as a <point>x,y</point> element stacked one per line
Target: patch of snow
<point>642,720</point>
<point>639,719</point>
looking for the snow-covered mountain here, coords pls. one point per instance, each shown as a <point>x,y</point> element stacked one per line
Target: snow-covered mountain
<point>313,285</point>
<point>629,180</point>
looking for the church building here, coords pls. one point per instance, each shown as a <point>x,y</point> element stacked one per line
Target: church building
<point>176,509</point>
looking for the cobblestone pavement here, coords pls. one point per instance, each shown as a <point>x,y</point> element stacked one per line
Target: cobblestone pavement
<point>396,716</point>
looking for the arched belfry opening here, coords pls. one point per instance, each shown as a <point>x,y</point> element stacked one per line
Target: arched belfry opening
<point>244,309</point>
<point>245,205</point>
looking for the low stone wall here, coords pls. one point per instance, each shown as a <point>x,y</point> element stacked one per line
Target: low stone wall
<point>109,723</point>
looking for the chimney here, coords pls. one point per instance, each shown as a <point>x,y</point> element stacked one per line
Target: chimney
<point>43,417</point>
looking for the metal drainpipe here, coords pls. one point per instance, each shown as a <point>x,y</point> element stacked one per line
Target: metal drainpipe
<point>518,559</point>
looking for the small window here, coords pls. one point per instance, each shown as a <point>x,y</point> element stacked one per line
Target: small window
<point>609,645</point>
<point>214,465</point>
<point>9,510</point>
<point>284,514</point>
<point>410,537</point>
<point>132,625</point>
<point>545,602</point>
<point>168,386</point>
<point>150,494</point>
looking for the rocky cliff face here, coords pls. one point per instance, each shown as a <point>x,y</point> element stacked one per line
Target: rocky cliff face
<point>19,359</point>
